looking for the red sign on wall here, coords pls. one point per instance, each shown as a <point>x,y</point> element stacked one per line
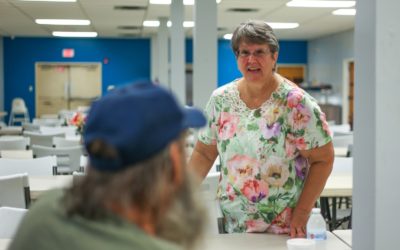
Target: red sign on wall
<point>68,53</point>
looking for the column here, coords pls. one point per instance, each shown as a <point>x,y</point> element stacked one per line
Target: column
<point>376,168</point>
<point>178,85</point>
<point>205,51</point>
<point>154,58</point>
<point>1,74</point>
<point>163,63</point>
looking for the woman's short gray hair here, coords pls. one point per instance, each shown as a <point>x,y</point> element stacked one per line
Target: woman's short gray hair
<point>254,32</point>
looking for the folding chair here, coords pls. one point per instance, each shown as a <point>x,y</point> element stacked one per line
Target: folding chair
<point>14,191</point>
<point>34,167</point>
<point>68,159</point>
<point>10,218</point>
<point>42,139</point>
<point>14,143</point>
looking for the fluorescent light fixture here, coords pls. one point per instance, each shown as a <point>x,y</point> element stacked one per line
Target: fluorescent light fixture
<point>62,21</point>
<point>188,24</point>
<point>185,2</point>
<point>321,4</point>
<point>74,34</point>
<point>160,2</point>
<point>344,12</point>
<point>65,1</point>
<point>228,36</point>
<point>152,23</point>
<point>283,25</point>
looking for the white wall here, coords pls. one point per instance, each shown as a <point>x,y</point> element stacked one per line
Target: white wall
<point>325,60</point>
<point>376,197</point>
<point>1,74</point>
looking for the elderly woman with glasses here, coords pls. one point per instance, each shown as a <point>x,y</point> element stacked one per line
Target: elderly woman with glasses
<point>273,142</point>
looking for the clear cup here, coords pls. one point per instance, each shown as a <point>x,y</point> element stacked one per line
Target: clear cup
<point>301,244</point>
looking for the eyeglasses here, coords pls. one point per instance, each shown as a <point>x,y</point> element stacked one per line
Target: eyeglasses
<point>260,53</point>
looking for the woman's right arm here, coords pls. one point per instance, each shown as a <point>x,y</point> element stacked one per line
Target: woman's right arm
<point>203,158</point>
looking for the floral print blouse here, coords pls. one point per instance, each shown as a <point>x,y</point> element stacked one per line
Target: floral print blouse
<point>262,171</point>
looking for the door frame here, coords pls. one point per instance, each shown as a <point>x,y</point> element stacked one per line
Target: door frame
<point>345,89</point>
<point>37,64</point>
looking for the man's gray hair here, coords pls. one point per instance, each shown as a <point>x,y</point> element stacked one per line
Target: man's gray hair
<point>145,186</point>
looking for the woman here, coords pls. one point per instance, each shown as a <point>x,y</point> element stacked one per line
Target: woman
<point>272,138</point>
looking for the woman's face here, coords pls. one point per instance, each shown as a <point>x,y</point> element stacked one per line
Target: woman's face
<point>256,62</point>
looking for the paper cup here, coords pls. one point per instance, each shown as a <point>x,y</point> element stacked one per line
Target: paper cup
<point>300,244</point>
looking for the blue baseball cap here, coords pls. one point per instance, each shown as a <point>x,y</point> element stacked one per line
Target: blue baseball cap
<point>138,121</point>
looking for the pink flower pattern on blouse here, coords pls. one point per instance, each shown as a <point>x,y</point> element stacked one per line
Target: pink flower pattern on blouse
<point>262,170</point>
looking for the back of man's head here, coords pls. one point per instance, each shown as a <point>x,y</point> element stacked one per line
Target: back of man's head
<point>134,137</point>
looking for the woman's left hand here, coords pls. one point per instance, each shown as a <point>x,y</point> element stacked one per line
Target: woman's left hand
<point>298,223</point>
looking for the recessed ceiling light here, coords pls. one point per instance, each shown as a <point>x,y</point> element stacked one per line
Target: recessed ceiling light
<point>155,23</point>
<point>69,1</point>
<point>74,34</point>
<point>160,1</point>
<point>62,21</point>
<point>321,4</point>
<point>167,2</point>
<point>344,12</point>
<point>228,36</point>
<point>283,25</point>
<point>151,23</point>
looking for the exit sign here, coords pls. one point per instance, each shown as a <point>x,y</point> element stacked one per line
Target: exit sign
<point>68,53</point>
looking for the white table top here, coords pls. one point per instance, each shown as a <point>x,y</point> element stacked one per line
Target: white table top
<point>4,243</point>
<point>248,241</point>
<point>41,184</point>
<point>263,242</point>
<point>16,154</point>
<point>340,182</point>
<point>341,151</point>
<point>344,235</point>
<point>337,185</point>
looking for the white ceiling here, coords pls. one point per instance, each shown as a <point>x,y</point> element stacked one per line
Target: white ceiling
<point>17,17</point>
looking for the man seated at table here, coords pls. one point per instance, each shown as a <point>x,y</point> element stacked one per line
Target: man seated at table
<point>137,193</point>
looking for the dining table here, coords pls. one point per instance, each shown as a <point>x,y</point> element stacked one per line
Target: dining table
<point>344,235</point>
<point>263,241</point>
<point>253,241</point>
<point>4,243</point>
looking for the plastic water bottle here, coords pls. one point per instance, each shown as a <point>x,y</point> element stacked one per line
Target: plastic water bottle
<point>316,226</point>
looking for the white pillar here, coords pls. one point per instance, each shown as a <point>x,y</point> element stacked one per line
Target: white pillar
<point>205,51</point>
<point>154,57</point>
<point>376,140</point>
<point>178,85</point>
<point>1,74</point>
<point>163,63</point>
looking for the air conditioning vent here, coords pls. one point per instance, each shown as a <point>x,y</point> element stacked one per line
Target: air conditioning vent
<point>242,10</point>
<point>128,27</point>
<point>129,7</point>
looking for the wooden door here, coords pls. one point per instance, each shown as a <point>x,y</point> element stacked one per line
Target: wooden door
<point>295,74</point>
<point>51,82</point>
<point>85,84</point>
<point>66,86</point>
<point>351,94</point>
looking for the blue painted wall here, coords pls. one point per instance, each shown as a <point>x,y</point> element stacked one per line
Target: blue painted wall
<point>128,61</point>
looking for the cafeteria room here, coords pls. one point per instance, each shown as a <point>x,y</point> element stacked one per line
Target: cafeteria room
<point>94,95</point>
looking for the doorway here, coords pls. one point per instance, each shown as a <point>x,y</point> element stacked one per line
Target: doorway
<point>66,86</point>
<point>348,92</point>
